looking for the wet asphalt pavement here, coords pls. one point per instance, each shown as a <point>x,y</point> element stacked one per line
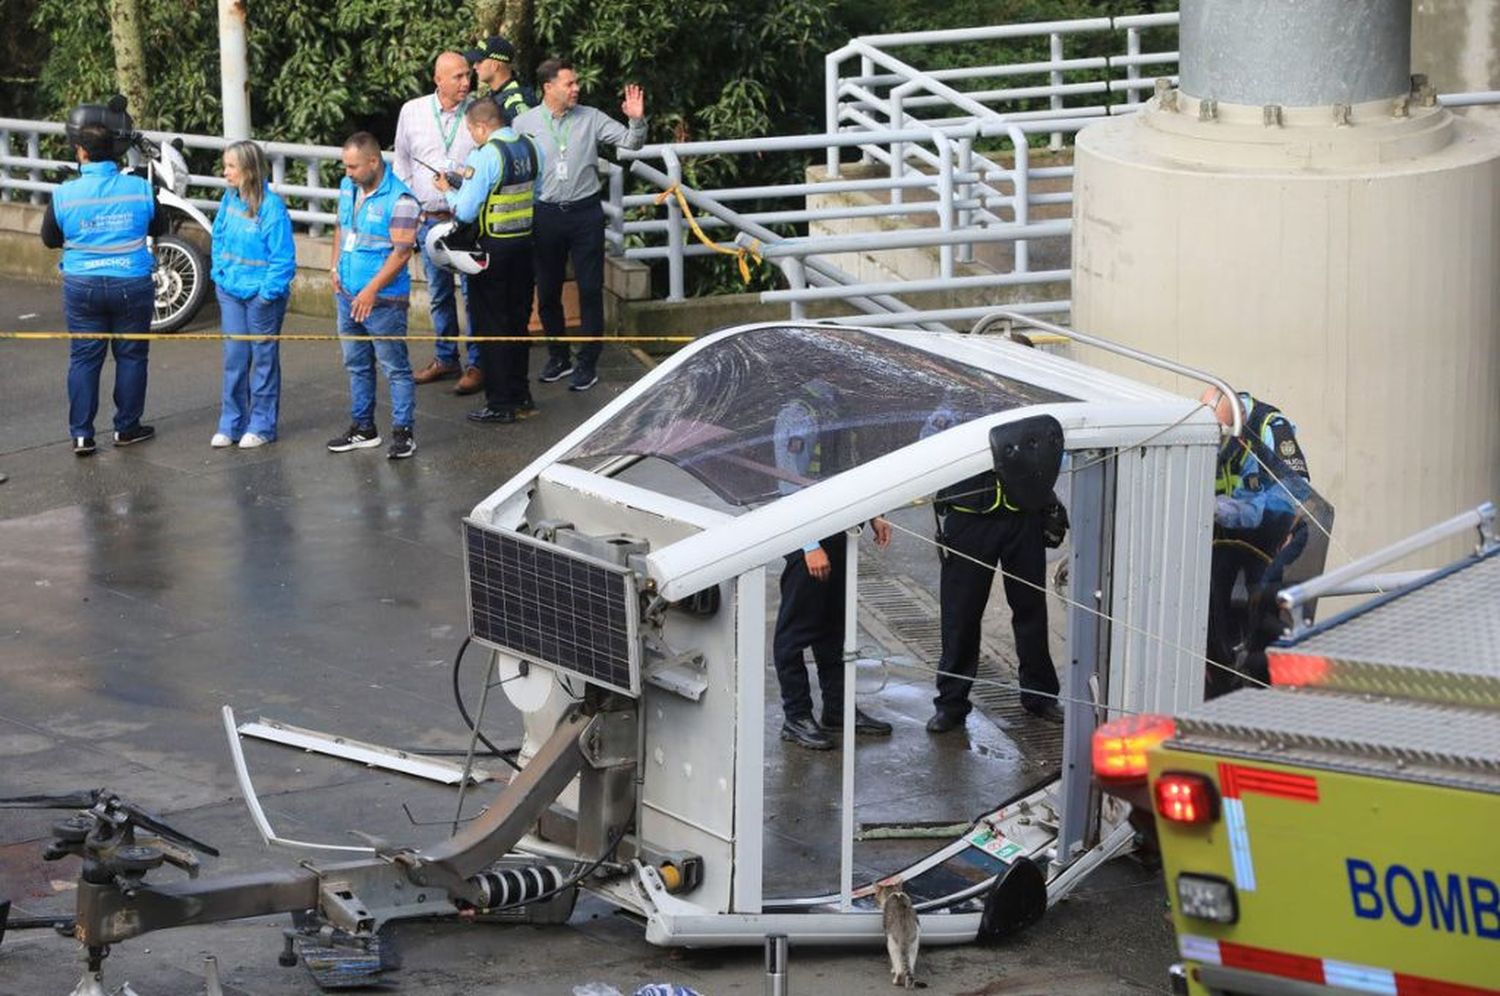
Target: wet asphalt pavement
<point>144,588</point>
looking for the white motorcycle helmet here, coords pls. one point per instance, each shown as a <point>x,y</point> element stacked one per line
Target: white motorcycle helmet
<point>455,259</point>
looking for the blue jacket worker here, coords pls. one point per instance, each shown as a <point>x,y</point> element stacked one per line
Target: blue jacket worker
<point>372,243</point>
<point>255,260</point>
<point>101,220</point>
<point>497,203</point>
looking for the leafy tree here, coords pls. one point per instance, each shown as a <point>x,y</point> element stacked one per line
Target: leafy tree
<point>712,69</point>
<point>318,70</point>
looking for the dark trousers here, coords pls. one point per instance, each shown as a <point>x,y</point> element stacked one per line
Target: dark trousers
<point>500,304</point>
<point>1014,541</point>
<point>811,617</point>
<point>573,230</point>
<point>107,304</point>
<point>1232,629</point>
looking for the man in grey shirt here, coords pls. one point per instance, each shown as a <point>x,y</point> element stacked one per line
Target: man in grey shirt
<point>569,220</point>
<point>430,134</point>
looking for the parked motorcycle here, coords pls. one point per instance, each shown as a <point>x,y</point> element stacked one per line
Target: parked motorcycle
<point>182,268</point>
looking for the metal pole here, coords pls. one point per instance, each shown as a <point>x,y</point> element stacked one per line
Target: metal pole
<point>484,698</point>
<point>1132,71</point>
<point>945,201</point>
<point>866,68</point>
<point>674,228</point>
<point>1150,359</point>
<point>796,278</point>
<point>966,193</point>
<point>831,110</point>
<point>34,151</point>
<point>1481,518</point>
<point>851,644</point>
<point>898,149</point>
<point>314,181</point>
<point>1056,78</point>
<point>776,952</point>
<point>234,69</point>
<point>1021,182</point>
<point>617,198</point>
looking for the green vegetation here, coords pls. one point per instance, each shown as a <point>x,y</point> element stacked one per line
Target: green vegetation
<point>712,69</point>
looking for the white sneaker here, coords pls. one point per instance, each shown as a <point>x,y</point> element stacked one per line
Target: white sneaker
<point>250,441</point>
<point>220,441</point>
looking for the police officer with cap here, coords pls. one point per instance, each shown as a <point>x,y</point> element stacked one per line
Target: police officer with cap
<point>492,62</point>
<point>101,220</point>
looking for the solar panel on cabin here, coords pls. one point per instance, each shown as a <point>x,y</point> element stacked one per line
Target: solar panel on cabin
<point>544,604</point>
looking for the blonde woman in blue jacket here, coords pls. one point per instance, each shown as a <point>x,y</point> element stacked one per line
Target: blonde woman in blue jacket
<point>254,262</point>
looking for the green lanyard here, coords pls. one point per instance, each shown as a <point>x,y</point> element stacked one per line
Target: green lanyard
<point>437,118</point>
<point>559,138</point>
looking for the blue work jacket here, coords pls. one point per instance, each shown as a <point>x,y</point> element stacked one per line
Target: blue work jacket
<point>254,257</point>
<point>370,225</point>
<point>104,216</point>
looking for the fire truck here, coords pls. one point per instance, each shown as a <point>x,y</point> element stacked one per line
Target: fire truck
<point>1339,831</point>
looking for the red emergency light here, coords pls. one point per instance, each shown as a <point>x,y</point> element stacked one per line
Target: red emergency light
<point>1296,670</point>
<point>1182,797</point>
<point>1120,746</point>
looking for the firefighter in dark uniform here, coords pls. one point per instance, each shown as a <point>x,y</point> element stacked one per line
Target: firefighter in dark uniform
<point>101,221</point>
<point>812,610</point>
<point>1258,531</point>
<point>976,523</point>
<point>499,196</point>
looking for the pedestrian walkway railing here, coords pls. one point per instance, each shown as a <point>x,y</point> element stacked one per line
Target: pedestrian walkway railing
<point>957,148</point>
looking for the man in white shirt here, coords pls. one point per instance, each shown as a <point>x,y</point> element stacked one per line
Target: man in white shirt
<point>430,136</point>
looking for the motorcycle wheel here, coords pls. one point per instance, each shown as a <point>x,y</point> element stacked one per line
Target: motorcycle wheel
<point>181,278</point>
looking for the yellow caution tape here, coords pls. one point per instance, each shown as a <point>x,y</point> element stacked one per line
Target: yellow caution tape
<point>740,253</point>
<point>333,337</point>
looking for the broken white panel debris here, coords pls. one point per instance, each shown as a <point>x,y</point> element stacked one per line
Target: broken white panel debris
<point>374,755</point>
<point>252,801</point>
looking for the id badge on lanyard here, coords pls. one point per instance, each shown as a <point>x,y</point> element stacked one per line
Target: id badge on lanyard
<point>560,139</point>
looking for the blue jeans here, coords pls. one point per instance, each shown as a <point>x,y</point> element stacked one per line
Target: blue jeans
<point>252,370</point>
<point>444,303</point>
<point>107,304</point>
<point>381,336</point>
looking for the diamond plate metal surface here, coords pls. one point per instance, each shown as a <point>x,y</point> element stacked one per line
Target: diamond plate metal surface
<point>1414,741</point>
<point>1452,624</point>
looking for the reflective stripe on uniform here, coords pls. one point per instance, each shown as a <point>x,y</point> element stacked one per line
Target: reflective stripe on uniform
<point>113,247</point>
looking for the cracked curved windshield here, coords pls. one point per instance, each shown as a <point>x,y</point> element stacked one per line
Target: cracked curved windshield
<point>763,413</point>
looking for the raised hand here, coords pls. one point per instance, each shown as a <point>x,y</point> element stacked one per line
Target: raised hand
<point>634,105</point>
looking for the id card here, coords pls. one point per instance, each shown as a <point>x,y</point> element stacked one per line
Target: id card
<point>351,239</point>
<point>562,169</point>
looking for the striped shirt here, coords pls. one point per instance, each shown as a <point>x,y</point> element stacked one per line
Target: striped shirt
<point>438,138</point>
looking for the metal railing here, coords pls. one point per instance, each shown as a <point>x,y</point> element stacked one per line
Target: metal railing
<point>947,166</point>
